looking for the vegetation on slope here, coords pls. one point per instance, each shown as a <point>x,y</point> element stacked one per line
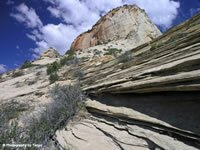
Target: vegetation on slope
<point>41,129</point>
<point>27,64</point>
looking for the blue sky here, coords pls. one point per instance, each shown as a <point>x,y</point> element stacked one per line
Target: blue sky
<point>29,27</point>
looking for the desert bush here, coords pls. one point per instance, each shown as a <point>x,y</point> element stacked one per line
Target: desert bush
<point>26,64</point>
<point>53,77</point>
<point>78,73</point>
<point>113,51</point>
<point>67,60</point>
<point>125,57</point>
<point>41,128</point>
<point>68,96</point>
<point>17,73</point>
<point>64,61</point>
<point>99,42</point>
<point>74,62</point>
<point>85,59</point>
<point>97,52</point>
<point>52,68</point>
<point>70,54</point>
<point>11,133</point>
<point>57,113</point>
<point>11,110</point>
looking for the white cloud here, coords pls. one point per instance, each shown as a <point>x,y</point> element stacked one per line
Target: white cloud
<point>27,16</point>
<point>57,35</point>
<point>83,14</point>
<point>77,16</point>
<point>2,68</point>
<point>162,12</point>
<point>99,6</point>
<point>30,36</point>
<point>55,12</point>
<point>73,12</point>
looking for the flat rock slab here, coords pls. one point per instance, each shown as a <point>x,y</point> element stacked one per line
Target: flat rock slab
<point>100,134</point>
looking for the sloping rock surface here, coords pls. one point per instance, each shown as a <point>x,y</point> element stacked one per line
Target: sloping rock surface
<point>168,63</point>
<point>147,98</point>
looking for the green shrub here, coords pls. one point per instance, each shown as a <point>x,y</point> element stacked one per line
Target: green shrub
<point>97,52</point>
<point>70,53</point>
<point>17,73</point>
<point>66,98</point>
<point>41,129</point>
<point>52,68</point>
<point>10,133</point>
<point>153,47</point>
<point>64,61</point>
<point>26,64</point>
<point>11,110</point>
<point>78,73</point>
<point>99,43</point>
<point>53,77</point>
<point>113,51</point>
<point>68,59</point>
<point>57,113</point>
<point>125,57</point>
<point>85,59</point>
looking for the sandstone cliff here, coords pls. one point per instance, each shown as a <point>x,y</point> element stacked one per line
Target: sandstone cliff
<point>145,99</point>
<point>150,93</point>
<point>127,22</point>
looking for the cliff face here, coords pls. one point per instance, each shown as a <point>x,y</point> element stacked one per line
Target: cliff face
<point>147,98</point>
<point>150,93</point>
<point>127,22</point>
<point>168,63</point>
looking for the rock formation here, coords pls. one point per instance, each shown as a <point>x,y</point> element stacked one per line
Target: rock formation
<point>50,53</point>
<point>127,22</point>
<point>168,63</point>
<point>48,57</point>
<point>148,98</point>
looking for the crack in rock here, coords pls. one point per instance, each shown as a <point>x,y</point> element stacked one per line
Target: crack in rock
<point>151,144</point>
<point>77,136</point>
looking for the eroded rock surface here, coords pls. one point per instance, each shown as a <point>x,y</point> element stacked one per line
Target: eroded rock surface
<point>168,63</point>
<point>103,132</point>
<point>151,92</point>
<point>47,57</point>
<point>127,22</point>
<point>147,98</point>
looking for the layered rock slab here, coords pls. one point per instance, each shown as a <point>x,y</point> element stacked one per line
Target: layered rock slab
<point>168,63</point>
<point>159,79</point>
<point>105,134</point>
